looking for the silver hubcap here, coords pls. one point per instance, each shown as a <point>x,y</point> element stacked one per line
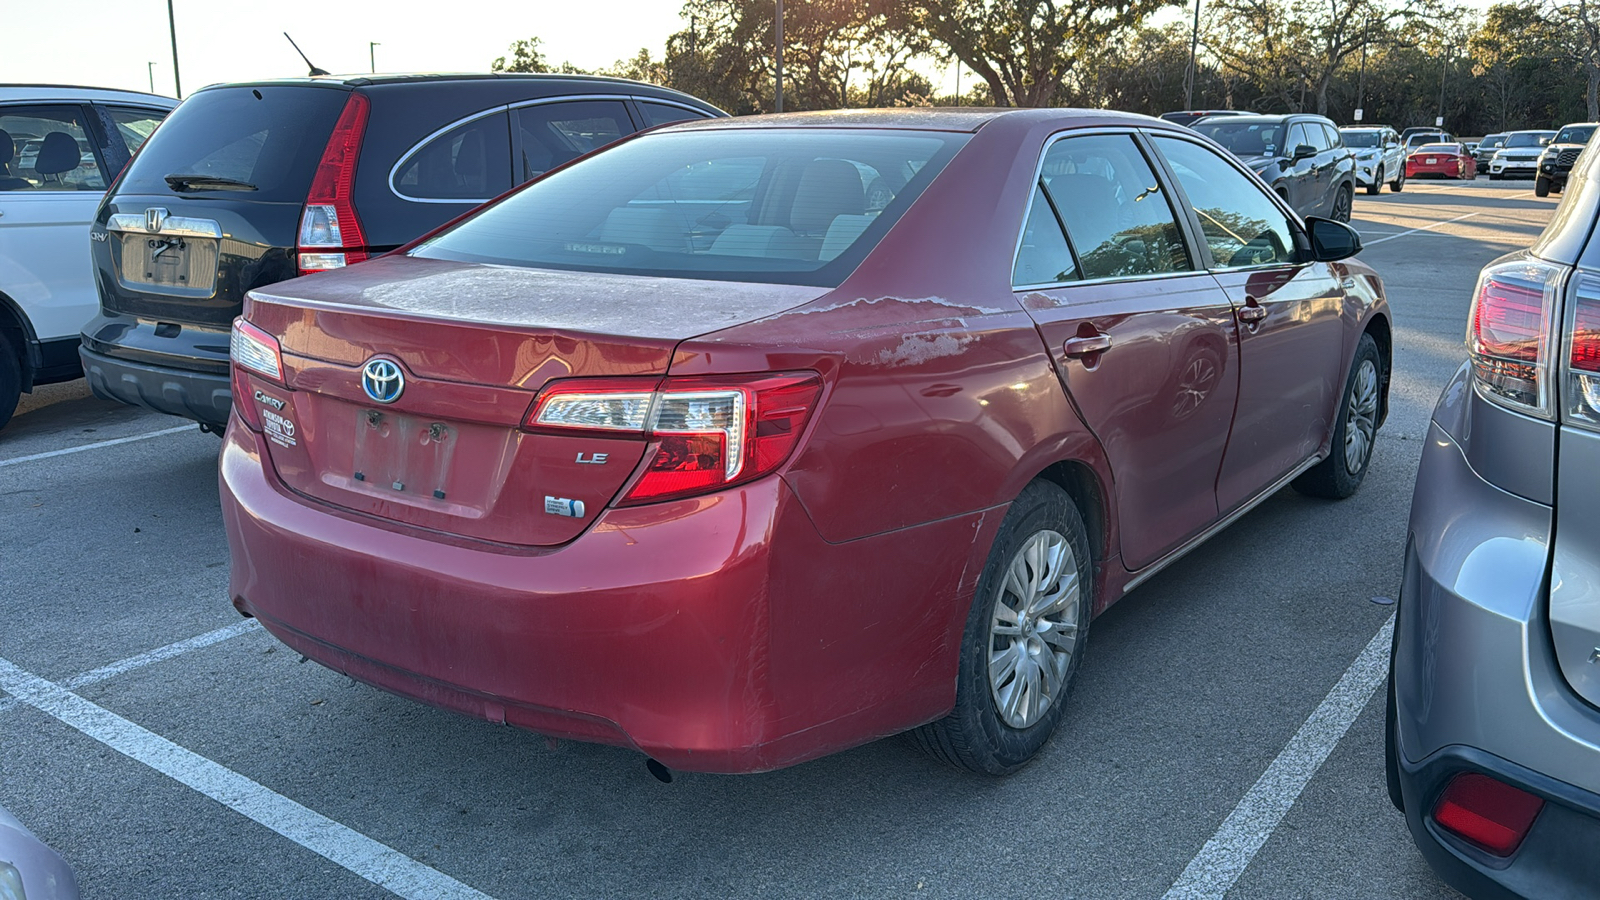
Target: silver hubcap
<point>1034,630</point>
<point>1361,418</point>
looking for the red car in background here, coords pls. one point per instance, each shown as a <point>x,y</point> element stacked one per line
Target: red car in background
<point>748,441</point>
<point>1443,160</point>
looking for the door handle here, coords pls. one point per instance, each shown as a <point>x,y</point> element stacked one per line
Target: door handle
<point>1079,347</point>
<point>1252,312</point>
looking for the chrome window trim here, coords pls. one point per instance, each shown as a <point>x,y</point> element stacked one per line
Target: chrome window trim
<point>1115,279</point>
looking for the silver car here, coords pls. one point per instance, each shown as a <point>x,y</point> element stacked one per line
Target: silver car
<point>1494,695</point>
<point>29,870</point>
<point>1518,157</point>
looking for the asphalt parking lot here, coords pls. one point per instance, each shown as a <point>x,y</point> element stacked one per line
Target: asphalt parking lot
<point>1224,738</point>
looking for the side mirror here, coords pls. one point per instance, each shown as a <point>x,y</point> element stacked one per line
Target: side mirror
<point>1304,151</point>
<point>1332,241</point>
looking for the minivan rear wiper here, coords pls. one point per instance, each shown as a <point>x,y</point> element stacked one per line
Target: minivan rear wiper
<point>207,183</point>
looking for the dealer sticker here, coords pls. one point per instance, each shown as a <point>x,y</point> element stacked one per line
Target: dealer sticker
<point>279,430</point>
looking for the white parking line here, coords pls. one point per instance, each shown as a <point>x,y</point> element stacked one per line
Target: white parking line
<point>376,862</point>
<point>1225,857</point>
<point>150,657</point>
<point>96,446</point>
<point>1429,227</point>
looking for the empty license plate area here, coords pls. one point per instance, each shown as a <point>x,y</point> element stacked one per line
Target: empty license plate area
<point>408,459</point>
<point>178,257</point>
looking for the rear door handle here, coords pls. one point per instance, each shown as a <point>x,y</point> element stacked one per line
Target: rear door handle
<point>1079,347</point>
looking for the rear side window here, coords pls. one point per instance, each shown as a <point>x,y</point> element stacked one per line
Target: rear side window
<point>1331,137</point>
<point>797,206</point>
<point>471,162</point>
<point>135,125</point>
<point>45,148</point>
<point>1043,257</point>
<point>552,134</point>
<point>1118,218</point>
<point>661,113</point>
<point>269,138</point>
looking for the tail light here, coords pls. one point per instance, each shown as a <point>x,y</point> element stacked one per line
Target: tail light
<point>252,351</point>
<point>1509,334</point>
<point>1488,813</point>
<point>1583,354</point>
<point>330,233</point>
<point>708,433</point>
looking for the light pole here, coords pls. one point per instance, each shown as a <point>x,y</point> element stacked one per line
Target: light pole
<point>372,59</point>
<point>1361,80</point>
<point>778,24</point>
<point>150,69</point>
<point>1194,43</point>
<point>1444,67</point>
<point>172,25</point>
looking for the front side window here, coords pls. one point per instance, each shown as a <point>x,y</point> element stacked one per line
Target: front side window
<point>553,134</point>
<point>796,206</point>
<point>469,163</point>
<point>45,148</point>
<point>1298,137</point>
<point>1117,216</point>
<point>1241,224</point>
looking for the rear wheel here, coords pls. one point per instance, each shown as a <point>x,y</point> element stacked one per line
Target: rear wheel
<point>10,378</point>
<point>1355,431</point>
<point>1377,182</point>
<point>1399,182</point>
<point>1541,187</point>
<point>1024,638</point>
<point>1341,204</point>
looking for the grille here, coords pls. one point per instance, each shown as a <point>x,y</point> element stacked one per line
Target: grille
<point>1568,157</point>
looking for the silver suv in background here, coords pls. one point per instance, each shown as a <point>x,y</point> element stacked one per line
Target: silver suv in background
<point>1518,157</point>
<point>1494,695</point>
<point>1380,159</point>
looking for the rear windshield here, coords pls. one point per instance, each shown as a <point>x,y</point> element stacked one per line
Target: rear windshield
<point>1245,138</point>
<point>1437,148</point>
<point>269,137</point>
<point>1577,134</point>
<point>1360,138</point>
<point>797,206</point>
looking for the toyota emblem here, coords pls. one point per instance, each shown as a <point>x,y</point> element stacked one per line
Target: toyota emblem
<point>382,380</point>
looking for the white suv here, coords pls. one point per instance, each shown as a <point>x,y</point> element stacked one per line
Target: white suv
<point>59,149</point>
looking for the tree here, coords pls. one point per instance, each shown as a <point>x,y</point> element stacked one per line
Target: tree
<point>527,57</point>
<point>1582,17</point>
<point>1023,49</point>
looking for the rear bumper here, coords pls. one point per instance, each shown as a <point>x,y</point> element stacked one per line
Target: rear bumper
<point>1477,687</point>
<point>202,397</point>
<point>714,634</point>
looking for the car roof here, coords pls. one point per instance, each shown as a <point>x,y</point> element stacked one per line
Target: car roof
<point>81,94</point>
<point>1266,117</point>
<point>1532,131</point>
<point>945,118</point>
<point>493,84</point>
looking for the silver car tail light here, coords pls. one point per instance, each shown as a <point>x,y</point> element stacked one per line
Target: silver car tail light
<point>1509,334</point>
<point>1582,377</point>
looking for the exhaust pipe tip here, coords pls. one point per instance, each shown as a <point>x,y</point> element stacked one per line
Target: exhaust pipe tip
<point>661,772</point>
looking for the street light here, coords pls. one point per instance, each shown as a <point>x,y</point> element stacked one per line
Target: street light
<point>1444,67</point>
<point>150,69</point>
<point>372,60</point>
<point>778,102</point>
<point>172,25</point>
<point>1189,76</point>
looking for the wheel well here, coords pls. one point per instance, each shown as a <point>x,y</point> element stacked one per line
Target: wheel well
<point>1080,483</point>
<point>1378,327</point>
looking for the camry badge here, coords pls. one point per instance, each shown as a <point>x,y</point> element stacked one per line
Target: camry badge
<point>382,380</point>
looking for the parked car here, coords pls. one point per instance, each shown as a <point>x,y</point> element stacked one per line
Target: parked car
<point>251,184</point>
<point>1191,116</point>
<point>1486,148</point>
<point>739,489</point>
<point>29,869</point>
<point>1560,155</point>
<point>1518,157</point>
<point>57,144</point>
<point>1379,159</point>
<point>1493,730</point>
<point>1443,160</point>
<point>1416,139</point>
<point>1301,157</point>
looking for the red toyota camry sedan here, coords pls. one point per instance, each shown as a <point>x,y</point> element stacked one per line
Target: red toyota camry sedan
<point>747,441</point>
<point>1443,160</point>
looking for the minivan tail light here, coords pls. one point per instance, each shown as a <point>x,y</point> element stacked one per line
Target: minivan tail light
<point>330,233</point>
<point>1486,812</point>
<point>1509,334</point>
<point>708,432</point>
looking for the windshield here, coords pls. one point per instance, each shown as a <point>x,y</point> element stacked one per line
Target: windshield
<point>268,137</point>
<point>1576,134</point>
<point>1528,139</point>
<point>1492,141</point>
<point>1245,138</point>
<point>1361,139</point>
<point>797,206</point>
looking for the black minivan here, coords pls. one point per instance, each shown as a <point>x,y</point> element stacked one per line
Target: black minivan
<point>249,184</point>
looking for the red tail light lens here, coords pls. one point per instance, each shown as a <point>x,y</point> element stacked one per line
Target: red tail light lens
<point>330,233</point>
<point>252,351</point>
<point>1583,356</point>
<point>710,433</point>
<point>1487,813</point>
<point>1508,336</point>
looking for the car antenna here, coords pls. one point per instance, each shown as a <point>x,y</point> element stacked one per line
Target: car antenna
<point>314,69</point>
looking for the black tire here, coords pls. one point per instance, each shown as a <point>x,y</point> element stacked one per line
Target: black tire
<point>1494,177</point>
<point>1399,182</point>
<point>1541,187</point>
<point>1342,203</point>
<point>10,378</point>
<point>1340,475</point>
<point>976,736</point>
<point>1377,182</point>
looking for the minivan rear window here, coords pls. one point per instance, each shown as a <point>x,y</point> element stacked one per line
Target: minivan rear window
<point>796,206</point>
<point>270,137</point>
